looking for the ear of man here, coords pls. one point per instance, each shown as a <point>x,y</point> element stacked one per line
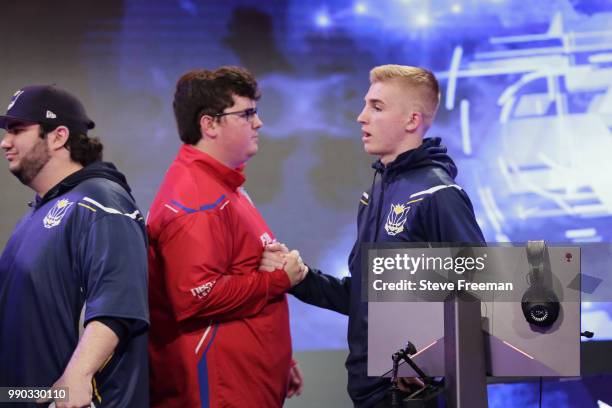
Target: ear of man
<point>57,139</point>
<point>209,127</point>
<point>414,121</point>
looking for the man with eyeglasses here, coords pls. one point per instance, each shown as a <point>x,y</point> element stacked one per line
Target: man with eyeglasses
<point>219,327</point>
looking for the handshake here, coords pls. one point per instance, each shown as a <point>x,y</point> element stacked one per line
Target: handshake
<point>278,256</point>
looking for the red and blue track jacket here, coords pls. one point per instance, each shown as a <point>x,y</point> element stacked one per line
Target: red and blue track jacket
<point>219,332</point>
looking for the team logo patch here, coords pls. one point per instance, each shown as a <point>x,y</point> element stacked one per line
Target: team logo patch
<point>16,96</point>
<point>396,218</point>
<point>266,239</point>
<point>56,214</point>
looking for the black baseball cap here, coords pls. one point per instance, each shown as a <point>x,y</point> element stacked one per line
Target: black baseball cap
<point>45,104</point>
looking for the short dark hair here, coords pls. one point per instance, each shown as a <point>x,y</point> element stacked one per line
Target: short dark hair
<point>83,149</point>
<point>203,92</point>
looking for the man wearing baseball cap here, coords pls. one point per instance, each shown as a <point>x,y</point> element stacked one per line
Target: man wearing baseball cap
<point>81,248</point>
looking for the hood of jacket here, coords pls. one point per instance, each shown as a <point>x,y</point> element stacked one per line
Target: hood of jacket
<point>94,170</point>
<point>430,153</point>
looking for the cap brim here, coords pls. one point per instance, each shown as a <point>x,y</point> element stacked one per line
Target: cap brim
<point>5,118</point>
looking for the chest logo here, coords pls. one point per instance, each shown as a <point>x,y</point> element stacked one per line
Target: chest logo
<point>396,218</point>
<point>56,214</point>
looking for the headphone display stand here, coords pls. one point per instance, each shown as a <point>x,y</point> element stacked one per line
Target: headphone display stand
<point>464,339</point>
<point>464,353</point>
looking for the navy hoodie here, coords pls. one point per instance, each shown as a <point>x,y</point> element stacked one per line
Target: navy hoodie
<point>82,244</point>
<point>412,199</point>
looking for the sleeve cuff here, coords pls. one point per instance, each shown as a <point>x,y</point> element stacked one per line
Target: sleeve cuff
<point>279,282</point>
<point>119,326</point>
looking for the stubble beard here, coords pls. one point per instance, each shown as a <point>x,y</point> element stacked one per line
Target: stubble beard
<point>32,163</point>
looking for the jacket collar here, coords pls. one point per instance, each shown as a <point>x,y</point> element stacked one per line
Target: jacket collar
<point>430,153</point>
<point>233,178</point>
<point>96,169</point>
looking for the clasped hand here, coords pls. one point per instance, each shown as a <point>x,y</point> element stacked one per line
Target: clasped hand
<point>278,256</point>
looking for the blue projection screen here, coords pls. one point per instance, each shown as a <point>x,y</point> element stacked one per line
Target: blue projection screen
<point>526,110</point>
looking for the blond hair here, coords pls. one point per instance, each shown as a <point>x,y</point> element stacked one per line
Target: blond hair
<point>418,79</point>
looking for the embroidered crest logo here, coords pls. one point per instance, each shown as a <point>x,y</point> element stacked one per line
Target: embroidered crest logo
<point>56,214</point>
<point>16,96</point>
<point>396,218</point>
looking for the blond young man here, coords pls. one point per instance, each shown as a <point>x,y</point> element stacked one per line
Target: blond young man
<point>413,198</point>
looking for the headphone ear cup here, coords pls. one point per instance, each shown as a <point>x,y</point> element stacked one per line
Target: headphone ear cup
<point>540,306</point>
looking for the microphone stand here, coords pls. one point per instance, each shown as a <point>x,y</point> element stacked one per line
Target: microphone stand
<point>404,354</point>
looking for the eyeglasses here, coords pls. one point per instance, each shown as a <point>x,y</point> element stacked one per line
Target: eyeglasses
<point>248,114</point>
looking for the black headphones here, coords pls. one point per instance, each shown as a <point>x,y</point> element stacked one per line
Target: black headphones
<point>539,303</point>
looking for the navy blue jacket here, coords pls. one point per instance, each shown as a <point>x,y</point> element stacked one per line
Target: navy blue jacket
<point>412,199</point>
<point>83,243</point>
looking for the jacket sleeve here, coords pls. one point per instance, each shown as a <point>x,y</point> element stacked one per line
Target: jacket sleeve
<point>196,255</point>
<point>324,291</point>
<point>112,260</point>
<point>448,216</point>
